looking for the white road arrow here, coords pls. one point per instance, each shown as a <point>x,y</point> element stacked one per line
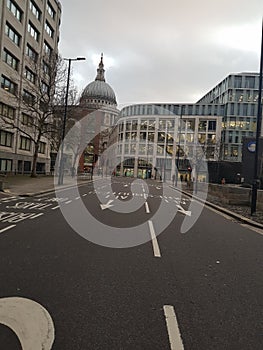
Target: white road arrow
<point>124,197</point>
<point>107,205</point>
<point>183,211</point>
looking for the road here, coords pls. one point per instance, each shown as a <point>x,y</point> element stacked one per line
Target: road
<point>139,289</point>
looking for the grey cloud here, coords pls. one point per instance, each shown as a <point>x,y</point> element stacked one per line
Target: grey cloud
<point>163,51</point>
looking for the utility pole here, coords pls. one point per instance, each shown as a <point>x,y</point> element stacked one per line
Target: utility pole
<point>258,132</point>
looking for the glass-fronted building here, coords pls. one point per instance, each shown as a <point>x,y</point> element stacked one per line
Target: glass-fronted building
<point>154,140</point>
<point>238,93</point>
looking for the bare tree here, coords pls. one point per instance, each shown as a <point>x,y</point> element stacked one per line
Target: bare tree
<point>44,86</point>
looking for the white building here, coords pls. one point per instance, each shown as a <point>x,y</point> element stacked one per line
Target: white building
<point>154,140</point>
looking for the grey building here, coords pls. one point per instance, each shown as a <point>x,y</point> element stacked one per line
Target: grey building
<point>29,35</point>
<point>238,93</point>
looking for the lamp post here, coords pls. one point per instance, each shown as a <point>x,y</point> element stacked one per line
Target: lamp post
<point>258,132</point>
<point>178,151</point>
<point>61,163</point>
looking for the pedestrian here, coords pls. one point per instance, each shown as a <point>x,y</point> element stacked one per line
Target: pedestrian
<point>173,179</point>
<point>223,181</point>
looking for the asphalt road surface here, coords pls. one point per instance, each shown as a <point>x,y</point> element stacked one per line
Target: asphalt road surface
<point>128,278</point>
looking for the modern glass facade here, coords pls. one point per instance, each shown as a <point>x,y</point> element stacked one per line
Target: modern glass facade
<point>238,94</point>
<point>155,138</point>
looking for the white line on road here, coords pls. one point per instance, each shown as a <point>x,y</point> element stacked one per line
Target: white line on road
<point>84,195</point>
<point>77,198</point>
<point>68,202</point>
<point>147,208</point>
<point>55,207</point>
<point>172,327</point>
<point>7,228</point>
<point>36,216</point>
<point>156,249</point>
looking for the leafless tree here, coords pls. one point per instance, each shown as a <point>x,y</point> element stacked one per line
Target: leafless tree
<point>44,86</point>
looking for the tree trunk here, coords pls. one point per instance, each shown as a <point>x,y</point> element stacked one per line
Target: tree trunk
<point>34,165</point>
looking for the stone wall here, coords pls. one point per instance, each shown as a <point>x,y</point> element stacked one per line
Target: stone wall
<point>235,195</point>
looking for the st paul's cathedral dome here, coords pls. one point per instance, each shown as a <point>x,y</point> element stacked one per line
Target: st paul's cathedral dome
<point>98,92</point>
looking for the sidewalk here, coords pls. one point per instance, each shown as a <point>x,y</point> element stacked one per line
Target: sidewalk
<point>24,185</point>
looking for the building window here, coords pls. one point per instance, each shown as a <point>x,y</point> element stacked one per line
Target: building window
<point>49,29</point>
<point>32,31</point>
<point>5,165</point>
<point>44,88</point>
<point>202,125</point>
<point>12,34</point>
<point>51,11</point>
<point>31,53</point>
<point>238,82</point>
<point>7,111</point>
<point>28,98</point>
<point>10,59</point>
<point>6,138</point>
<point>46,68</point>
<point>27,120</point>
<point>25,143</point>
<point>250,82</point>
<point>30,76</point>
<point>12,6</point>
<point>47,49</point>
<point>8,85</point>
<point>35,10</point>
<point>42,148</point>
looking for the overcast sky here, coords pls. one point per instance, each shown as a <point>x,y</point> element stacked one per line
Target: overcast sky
<point>161,50</point>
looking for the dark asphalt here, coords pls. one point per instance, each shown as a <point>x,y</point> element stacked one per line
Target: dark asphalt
<point>109,298</point>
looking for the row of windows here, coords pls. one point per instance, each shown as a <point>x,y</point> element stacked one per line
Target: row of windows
<point>16,38</point>
<point>231,82</point>
<point>13,62</point>
<point>163,109</point>
<point>18,13</point>
<point>28,98</point>
<point>6,140</point>
<point>168,124</point>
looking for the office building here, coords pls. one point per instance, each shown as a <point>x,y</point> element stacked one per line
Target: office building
<point>29,36</point>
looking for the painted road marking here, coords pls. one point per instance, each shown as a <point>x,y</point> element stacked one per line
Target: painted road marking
<point>30,321</point>
<point>7,228</point>
<point>36,216</point>
<point>107,205</point>
<point>84,195</point>
<point>68,202</point>
<point>172,328</point>
<point>55,207</point>
<point>147,208</point>
<point>156,249</point>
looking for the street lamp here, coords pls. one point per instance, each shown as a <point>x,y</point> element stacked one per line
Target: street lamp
<point>61,164</point>
<point>258,132</point>
<point>178,150</point>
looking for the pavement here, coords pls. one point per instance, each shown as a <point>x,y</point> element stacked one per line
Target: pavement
<point>24,185</point>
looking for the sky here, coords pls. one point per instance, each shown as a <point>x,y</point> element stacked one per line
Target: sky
<point>169,51</point>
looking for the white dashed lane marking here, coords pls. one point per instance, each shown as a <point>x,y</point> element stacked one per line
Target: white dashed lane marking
<point>7,228</point>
